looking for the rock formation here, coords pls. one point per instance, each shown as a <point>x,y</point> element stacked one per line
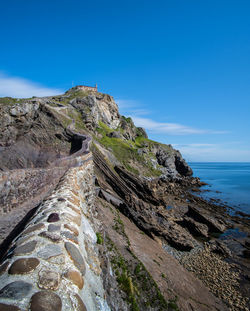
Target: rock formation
<point>96,216</point>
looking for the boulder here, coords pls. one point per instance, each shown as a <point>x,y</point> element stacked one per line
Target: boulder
<point>213,224</point>
<point>218,247</point>
<point>196,228</point>
<point>178,237</point>
<point>115,134</point>
<point>141,132</point>
<point>172,160</point>
<point>181,166</point>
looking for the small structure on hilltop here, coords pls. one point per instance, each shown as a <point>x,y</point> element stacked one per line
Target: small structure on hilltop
<point>87,88</point>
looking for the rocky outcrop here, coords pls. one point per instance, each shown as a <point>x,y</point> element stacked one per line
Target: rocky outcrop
<point>195,227</point>
<point>142,201</point>
<point>213,224</point>
<point>95,108</point>
<point>181,166</point>
<point>173,162</point>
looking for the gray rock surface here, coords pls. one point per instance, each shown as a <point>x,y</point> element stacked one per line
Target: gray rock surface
<point>16,290</point>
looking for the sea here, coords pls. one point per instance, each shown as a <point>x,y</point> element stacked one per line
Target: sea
<point>227,181</point>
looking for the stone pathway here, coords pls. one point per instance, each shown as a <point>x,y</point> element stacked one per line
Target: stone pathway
<point>53,264</point>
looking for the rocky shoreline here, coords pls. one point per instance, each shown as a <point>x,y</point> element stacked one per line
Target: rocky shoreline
<point>222,263</point>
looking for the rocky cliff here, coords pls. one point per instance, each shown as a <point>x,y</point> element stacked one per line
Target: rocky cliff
<point>96,216</point>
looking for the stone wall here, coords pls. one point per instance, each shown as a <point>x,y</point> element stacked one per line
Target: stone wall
<point>18,186</point>
<point>53,264</point>
<point>86,88</point>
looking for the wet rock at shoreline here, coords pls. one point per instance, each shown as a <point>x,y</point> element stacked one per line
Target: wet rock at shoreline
<point>213,224</point>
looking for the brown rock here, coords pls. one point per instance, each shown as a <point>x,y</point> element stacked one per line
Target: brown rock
<point>53,217</point>
<point>75,277</point>
<point>4,307</point>
<point>76,257</point>
<point>79,305</point>
<point>52,236</point>
<point>45,301</point>
<point>76,210</point>
<point>218,247</point>
<point>196,228</point>
<point>74,200</point>
<point>213,224</point>
<point>49,279</point>
<point>24,265</point>
<point>178,237</point>
<point>75,193</point>
<point>33,228</point>
<point>72,229</point>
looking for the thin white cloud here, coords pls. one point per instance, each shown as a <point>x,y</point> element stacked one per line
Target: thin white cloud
<point>134,109</point>
<point>214,152</point>
<point>128,107</point>
<point>170,128</point>
<point>19,87</point>
<point>126,103</point>
<point>194,145</point>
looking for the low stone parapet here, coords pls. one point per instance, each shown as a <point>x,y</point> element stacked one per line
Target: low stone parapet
<point>53,264</point>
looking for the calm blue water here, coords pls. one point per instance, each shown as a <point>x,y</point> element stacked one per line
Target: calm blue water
<point>231,179</point>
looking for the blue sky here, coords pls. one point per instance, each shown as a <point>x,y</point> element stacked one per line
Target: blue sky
<point>181,69</point>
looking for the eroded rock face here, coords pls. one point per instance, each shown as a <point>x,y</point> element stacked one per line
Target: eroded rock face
<point>179,238</point>
<point>23,139</point>
<point>97,108</point>
<point>195,227</point>
<point>142,200</point>
<point>173,162</point>
<point>213,224</point>
<point>181,166</point>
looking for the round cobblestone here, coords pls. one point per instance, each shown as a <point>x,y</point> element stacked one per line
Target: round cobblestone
<point>45,301</point>
<point>75,277</point>
<point>24,265</point>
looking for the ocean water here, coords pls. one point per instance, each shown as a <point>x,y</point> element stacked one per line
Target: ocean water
<point>232,180</point>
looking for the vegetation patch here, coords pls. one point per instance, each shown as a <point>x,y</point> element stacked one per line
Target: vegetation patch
<point>126,152</point>
<point>99,238</point>
<point>11,100</point>
<point>142,293</point>
<point>119,226</point>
